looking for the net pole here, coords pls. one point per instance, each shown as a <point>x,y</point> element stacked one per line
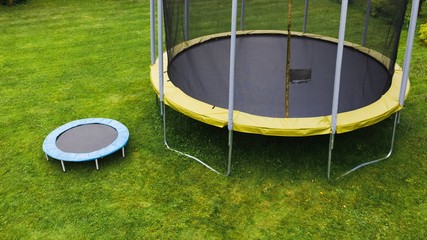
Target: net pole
<point>365,29</point>
<point>231,82</point>
<point>160,52</point>
<point>338,64</point>
<point>152,32</point>
<point>186,19</point>
<point>337,81</point>
<point>408,53</point>
<point>304,27</point>
<point>288,59</point>
<point>232,65</point>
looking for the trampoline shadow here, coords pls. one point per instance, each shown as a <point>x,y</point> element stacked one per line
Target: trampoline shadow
<point>283,157</point>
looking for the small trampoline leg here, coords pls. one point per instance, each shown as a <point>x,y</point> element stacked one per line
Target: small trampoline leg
<point>63,166</point>
<point>47,157</point>
<point>96,164</point>
<point>123,151</point>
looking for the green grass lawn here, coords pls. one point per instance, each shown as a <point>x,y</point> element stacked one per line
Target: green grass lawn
<point>65,60</point>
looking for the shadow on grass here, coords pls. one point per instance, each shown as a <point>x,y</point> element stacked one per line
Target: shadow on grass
<point>112,161</point>
<point>282,157</point>
<point>12,2</point>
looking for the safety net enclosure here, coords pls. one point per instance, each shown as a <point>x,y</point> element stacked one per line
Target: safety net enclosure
<point>285,63</point>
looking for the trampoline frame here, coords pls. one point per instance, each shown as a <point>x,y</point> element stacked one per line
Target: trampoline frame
<point>51,149</point>
<point>333,126</point>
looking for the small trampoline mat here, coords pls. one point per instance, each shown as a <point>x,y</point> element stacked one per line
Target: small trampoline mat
<point>86,138</point>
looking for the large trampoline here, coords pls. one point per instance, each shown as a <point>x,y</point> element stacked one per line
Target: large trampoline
<point>196,83</point>
<point>86,140</point>
<point>281,67</point>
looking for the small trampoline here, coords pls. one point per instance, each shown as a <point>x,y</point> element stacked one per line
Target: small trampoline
<point>86,140</point>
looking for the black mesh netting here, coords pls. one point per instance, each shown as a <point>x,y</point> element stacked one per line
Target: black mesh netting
<point>202,70</point>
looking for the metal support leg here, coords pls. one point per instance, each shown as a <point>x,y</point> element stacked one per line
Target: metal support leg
<point>47,157</point>
<point>331,147</point>
<point>63,166</point>
<point>193,157</point>
<point>396,117</point>
<point>331,143</point>
<point>230,150</point>
<point>123,151</point>
<point>96,163</point>
<point>156,100</point>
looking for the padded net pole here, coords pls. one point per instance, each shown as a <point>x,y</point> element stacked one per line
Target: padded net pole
<point>338,64</point>
<point>231,82</point>
<point>232,65</point>
<point>160,52</point>
<point>152,32</point>
<point>337,81</point>
<point>408,53</point>
<point>365,29</point>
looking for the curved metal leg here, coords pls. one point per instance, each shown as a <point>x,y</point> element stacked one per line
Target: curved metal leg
<point>203,163</point>
<point>193,157</point>
<point>123,151</point>
<point>396,119</point>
